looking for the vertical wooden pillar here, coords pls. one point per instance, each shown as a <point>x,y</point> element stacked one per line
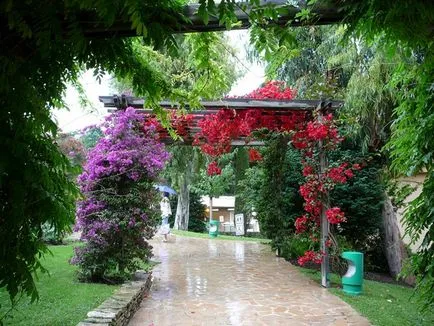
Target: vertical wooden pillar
<point>325,225</point>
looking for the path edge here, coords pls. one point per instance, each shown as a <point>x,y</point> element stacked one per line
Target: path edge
<point>118,309</point>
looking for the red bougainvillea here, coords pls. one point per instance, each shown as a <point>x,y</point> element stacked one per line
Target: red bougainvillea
<point>213,169</point>
<point>312,256</point>
<point>335,215</point>
<point>180,123</point>
<point>319,137</point>
<point>218,130</point>
<point>254,155</point>
<point>276,90</point>
<point>312,138</point>
<point>312,135</point>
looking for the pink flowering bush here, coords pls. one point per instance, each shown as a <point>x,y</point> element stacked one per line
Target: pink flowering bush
<point>119,211</point>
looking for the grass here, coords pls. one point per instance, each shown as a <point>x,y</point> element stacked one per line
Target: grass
<point>63,300</point>
<point>220,237</point>
<point>383,304</point>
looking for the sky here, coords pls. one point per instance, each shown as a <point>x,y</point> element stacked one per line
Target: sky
<point>77,117</point>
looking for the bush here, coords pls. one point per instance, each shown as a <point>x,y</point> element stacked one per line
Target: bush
<point>120,208</point>
<point>196,221</point>
<point>293,247</point>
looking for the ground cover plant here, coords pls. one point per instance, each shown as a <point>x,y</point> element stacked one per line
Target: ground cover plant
<point>63,299</point>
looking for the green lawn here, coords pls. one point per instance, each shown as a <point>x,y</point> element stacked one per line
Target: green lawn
<point>63,301</point>
<point>383,304</point>
<point>220,237</point>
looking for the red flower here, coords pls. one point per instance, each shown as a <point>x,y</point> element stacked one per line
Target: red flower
<point>307,170</point>
<point>300,224</point>
<point>254,155</point>
<point>335,215</point>
<point>315,257</point>
<point>213,169</point>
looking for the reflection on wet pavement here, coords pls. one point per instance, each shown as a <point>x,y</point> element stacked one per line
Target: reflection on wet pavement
<point>215,282</point>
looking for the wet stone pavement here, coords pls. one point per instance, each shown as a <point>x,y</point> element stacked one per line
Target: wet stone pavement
<point>217,282</point>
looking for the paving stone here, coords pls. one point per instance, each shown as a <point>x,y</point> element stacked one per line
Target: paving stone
<point>212,282</point>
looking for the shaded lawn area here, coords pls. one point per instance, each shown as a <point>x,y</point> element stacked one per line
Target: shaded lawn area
<point>383,304</point>
<point>62,299</point>
<point>220,237</point>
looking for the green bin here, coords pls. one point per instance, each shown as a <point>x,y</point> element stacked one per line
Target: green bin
<point>352,281</point>
<point>214,228</point>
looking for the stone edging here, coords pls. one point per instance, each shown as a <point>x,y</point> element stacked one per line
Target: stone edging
<point>121,306</point>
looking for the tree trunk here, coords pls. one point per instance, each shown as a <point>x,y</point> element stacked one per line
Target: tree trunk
<point>183,206</point>
<point>210,208</point>
<point>394,247</point>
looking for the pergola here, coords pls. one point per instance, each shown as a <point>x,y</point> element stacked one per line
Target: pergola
<point>272,107</point>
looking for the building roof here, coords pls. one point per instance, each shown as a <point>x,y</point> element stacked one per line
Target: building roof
<point>222,201</point>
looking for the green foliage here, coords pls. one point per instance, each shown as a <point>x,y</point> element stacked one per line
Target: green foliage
<point>361,198</point>
<point>197,213</point>
<point>273,190</point>
<point>292,247</point>
<point>51,236</point>
<point>90,137</point>
<point>203,65</point>
<point>215,185</point>
<point>40,53</point>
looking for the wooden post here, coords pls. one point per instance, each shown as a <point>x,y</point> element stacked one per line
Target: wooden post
<point>325,225</point>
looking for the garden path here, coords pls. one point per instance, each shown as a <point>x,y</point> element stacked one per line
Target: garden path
<point>218,282</point>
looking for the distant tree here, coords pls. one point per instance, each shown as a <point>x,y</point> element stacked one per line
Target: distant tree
<point>90,136</point>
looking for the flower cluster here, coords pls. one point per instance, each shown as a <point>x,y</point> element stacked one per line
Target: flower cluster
<point>312,256</point>
<point>335,215</point>
<point>301,224</point>
<point>273,90</point>
<point>180,123</point>
<point>254,155</point>
<point>118,209</point>
<point>213,169</point>
<point>218,130</point>
<point>318,137</point>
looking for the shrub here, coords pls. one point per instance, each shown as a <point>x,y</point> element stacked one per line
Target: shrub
<point>120,209</point>
<point>196,222</point>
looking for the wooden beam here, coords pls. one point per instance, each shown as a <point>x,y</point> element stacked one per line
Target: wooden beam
<point>190,22</point>
<point>293,105</point>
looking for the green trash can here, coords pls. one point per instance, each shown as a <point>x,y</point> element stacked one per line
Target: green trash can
<point>214,228</point>
<point>352,281</point>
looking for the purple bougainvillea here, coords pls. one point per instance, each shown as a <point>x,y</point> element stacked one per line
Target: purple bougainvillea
<point>119,210</point>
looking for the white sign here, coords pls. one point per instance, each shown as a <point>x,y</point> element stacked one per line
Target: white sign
<point>239,224</point>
